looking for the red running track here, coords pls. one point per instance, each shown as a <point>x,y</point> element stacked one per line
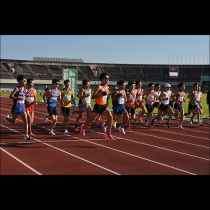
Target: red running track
<point>142,151</point>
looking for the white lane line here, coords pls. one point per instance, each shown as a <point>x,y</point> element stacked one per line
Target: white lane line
<point>32,169</point>
<point>68,153</point>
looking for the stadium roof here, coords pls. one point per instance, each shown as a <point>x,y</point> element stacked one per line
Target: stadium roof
<point>59,60</point>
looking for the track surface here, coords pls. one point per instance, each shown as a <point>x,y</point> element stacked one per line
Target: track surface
<point>142,151</point>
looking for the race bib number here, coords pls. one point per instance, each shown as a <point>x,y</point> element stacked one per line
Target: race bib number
<point>139,98</point>
<point>66,98</point>
<point>121,101</point>
<point>198,99</point>
<point>53,99</point>
<point>20,101</point>
<point>180,98</point>
<point>87,99</point>
<point>30,99</point>
<point>104,98</point>
<point>150,97</point>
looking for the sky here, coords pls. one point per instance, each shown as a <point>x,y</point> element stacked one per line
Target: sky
<point>119,49</point>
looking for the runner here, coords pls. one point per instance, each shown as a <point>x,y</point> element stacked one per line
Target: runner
<point>156,104</point>
<point>164,98</point>
<point>29,104</point>
<point>53,95</point>
<point>84,103</point>
<point>150,100</point>
<point>178,103</point>
<point>100,94</point>
<point>131,100</point>
<point>18,96</point>
<point>139,100</point>
<point>119,98</point>
<point>192,104</point>
<point>66,102</point>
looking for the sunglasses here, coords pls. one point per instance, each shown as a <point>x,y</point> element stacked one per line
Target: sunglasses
<point>56,83</point>
<point>106,78</point>
<point>24,80</point>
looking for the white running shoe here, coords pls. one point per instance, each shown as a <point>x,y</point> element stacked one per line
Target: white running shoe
<point>45,118</point>
<point>66,132</point>
<point>103,127</point>
<point>180,127</point>
<point>190,123</point>
<point>27,137</point>
<point>121,129</point>
<point>51,132</point>
<point>5,118</point>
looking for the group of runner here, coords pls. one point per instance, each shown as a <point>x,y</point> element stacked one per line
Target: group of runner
<point>124,101</point>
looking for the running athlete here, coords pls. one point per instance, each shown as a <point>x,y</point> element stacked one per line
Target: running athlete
<point>53,95</point>
<point>139,100</point>
<point>164,98</point>
<point>118,99</point>
<point>150,100</point>
<point>18,96</point>
<point>192,104</point>
<point>131,100</point>
<point>29,104</point>
<point>66,102</point>
<point>84,103</point>
<point>157,94</point>
<point>178,103</point>
<point>100,94</point>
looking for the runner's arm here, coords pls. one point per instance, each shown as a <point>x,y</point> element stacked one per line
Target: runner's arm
<point>13,93</point>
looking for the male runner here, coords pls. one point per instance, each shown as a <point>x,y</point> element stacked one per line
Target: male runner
<point>100,94</point>
<point>192,104</point>
<point>84,103</point>
<point>131,100</point>
<point>139,100</point>
<point>150,100</point>
<point>18,96</point>
<point>66,102</point>
<point>164,98</point>
<point>119,98</point>
<point>178,103</point>
<point>29,104</point>
<point>54,95</point>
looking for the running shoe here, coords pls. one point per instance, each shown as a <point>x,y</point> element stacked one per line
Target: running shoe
<point>129,128</point>
<point>96,120</point>
<point>103,127</point>
<point>51,132</point>
<point>152,123</point>
<point>121,129</point>
<point>31,134</point>
<point>73,112</point>
<point>200,124</point>
<point>190,123</point>
<point>99,117</point>
<point>180,127</point>
<point>161,117</point>
<point>88,127</point>
<point>168,125</point>
<point>158,119</point>
<point>45,118</point>
<point>75,127</point>
<point>82,130</point>
<point>145,122</point>
<point>110,137</point>
<point>66,132</point>
<point>27,137</point>
<point>5,118</point>
<point>136,122</point>
<point>114,124</point>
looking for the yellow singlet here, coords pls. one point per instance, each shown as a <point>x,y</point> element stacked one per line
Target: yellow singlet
<point>66,98</point>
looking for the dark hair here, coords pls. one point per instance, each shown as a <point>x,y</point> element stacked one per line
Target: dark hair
<point>157,84</point>
<point>181,84</point>
<point>85,81</point>
<point>195,84</point>
<point>150,84</point>
<point>137,82</point>
<point>120,82</point>
<point>130,83</point>
<point>55,80</point>
<point>66,81</point>
<point>20,77</point>
<point>29,80</point>
<point>102,75</point>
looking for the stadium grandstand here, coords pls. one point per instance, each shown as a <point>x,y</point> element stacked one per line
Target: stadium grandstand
<point>43,70</point>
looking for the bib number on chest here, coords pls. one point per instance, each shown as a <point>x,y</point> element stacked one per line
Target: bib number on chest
<point>53,99</point>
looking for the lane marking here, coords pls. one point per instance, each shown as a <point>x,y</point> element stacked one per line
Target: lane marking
<point>32,169</point>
